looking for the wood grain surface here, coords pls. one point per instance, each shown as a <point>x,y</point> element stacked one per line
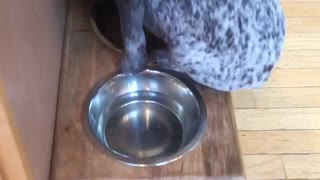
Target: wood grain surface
<point>280,142</point>
<point>302,166</point>
<point>85,62</point>
<point>265,98</point>
<point>299,59</point>
<point>278,119</point>
<point>264,166</point>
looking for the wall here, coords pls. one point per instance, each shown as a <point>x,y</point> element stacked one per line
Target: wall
<point>31,35</point>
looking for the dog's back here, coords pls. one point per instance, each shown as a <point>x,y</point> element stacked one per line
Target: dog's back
<point>224,44</point>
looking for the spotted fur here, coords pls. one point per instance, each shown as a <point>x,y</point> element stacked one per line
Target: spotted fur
<point>224,44</point>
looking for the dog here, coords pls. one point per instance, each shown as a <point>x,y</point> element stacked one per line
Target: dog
<point>222,44</point>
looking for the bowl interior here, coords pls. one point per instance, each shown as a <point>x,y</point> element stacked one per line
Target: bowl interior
<point>144,130</point>
<point>147,117</point>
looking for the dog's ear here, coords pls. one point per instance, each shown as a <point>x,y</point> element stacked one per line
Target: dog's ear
<point>131,14</point>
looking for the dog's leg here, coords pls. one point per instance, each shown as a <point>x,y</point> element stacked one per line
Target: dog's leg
<point>131,14</point>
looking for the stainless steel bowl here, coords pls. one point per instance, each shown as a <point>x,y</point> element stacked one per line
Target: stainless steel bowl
<point>148,119</point>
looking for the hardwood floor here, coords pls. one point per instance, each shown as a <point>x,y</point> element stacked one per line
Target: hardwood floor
<point>279,124</point>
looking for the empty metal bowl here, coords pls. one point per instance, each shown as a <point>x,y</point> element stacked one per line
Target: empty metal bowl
<point>148,119</point>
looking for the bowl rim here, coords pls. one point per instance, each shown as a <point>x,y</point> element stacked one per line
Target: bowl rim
<point>183,78</point>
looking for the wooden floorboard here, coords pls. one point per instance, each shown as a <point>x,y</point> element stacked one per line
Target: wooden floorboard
<point>264,167</point>
<point>304,97</point>
<point>302,59</point>
<point>287,97</point>
<point>302,166</point>
<point>293,166</point>
<point>300,41</point>
<point>301,9</point>
<point>278,119</point>
<point>279,142</point>
<point>294,78</point>
<point>303,25</point>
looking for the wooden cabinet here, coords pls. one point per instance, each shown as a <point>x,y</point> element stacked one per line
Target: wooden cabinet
<point>31,42</point>
<point>13,163</point>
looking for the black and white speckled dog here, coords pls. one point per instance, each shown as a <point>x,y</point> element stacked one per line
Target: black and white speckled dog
<point>223,44</point>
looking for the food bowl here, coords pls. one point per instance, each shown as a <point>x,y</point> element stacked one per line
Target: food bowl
<point>148,119</point>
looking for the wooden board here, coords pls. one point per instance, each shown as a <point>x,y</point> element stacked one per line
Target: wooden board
<point>278,98</point>
<point>299,41</point>
<point>86,61</point>
<point>301,9</point>
<point>278,142</point>
<point>303,25</point>
<point>294,78</point>
<point>290,166</point>
<point>302,166</point>
<point>287,97</point>
<point>264,167</point>
<point>299,59</point>
<point>278,119</point>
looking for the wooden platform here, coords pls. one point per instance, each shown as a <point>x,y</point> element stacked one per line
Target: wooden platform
<point>85,62</point>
